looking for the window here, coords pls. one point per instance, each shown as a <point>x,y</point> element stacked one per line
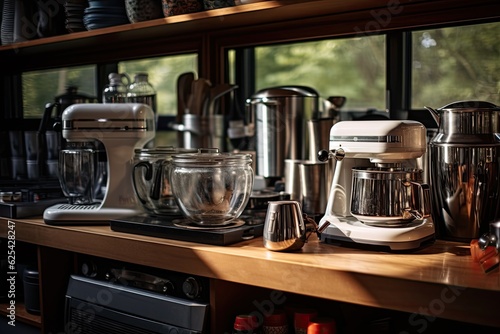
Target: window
<point>456,63</point>
<point>162,75</point>
<point>350,67</point>
<point>42,87</point>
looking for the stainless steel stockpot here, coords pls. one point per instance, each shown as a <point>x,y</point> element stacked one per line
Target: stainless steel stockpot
<point>464,169</point>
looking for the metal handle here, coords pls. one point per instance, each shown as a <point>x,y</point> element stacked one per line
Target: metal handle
<point>337,154</point>
<point>147,176</point>
<point>421,202</point>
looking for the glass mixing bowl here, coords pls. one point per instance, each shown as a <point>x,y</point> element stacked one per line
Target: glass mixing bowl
<point>151,179</point>
<point>211,188</point>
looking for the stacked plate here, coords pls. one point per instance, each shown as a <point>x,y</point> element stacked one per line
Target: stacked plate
<point>104,13</point>
<point>74,15</point>
<point>8,12</point>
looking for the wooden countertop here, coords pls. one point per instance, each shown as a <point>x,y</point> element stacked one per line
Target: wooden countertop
<point>441,280</point>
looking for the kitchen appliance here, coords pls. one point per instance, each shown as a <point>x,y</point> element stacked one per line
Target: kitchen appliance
<point>213,198</point>
<point>26,198</point>
<point>376,196</point>
<point>280,116</point>
<point>49,132</point>
<point>121,128</point>
<point>113,297</point>
<point>465,169</point>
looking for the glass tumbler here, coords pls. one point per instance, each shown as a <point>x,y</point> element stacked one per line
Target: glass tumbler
<point>77,172</point>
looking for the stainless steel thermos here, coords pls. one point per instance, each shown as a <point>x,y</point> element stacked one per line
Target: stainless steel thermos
<point>464,169</point>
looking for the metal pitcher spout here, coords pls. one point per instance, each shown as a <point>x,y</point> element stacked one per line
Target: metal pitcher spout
<point>434,114</point>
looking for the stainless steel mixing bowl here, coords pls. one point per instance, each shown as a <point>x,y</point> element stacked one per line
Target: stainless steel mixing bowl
<point>387,196</point>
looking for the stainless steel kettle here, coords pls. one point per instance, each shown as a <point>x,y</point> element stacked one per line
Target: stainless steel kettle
<point>50,122</point>
<point>464,169</point>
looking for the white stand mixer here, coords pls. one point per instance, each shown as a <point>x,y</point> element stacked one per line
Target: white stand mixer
<point>389,148</point>
<point>121,128</point>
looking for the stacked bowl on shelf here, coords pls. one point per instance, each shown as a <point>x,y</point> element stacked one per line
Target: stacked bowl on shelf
<point>143,10</point>
<point>74,10</point>
<point>104,13</point>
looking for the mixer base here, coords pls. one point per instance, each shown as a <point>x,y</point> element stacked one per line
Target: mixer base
<point>349,230</point>
<point>84,214</point>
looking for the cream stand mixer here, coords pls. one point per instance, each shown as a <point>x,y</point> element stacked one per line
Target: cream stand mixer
<point>121,128</point>
<point>377,196</point>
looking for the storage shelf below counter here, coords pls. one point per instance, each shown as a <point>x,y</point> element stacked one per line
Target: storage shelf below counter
<point>441,280</point>
<point>20,314</point>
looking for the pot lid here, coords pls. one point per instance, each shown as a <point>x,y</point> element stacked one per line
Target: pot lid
<point>286,91</point>
<point>161,150</point>
<point>470,106</point>
<point>72,94</point>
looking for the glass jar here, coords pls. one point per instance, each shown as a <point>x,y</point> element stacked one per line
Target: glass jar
<point>141,91</point>
<point>246,324</point>
<point>211,188</point>
<point>117,89</point>
<point>77,172</point>
<point>301,319</point>
<point>275,323</point>
<point>322,325</point>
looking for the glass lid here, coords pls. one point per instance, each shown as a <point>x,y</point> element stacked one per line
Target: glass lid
<point>211,157</point>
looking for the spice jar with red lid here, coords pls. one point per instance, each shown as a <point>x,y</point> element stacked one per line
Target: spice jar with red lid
<point>275,323</point>
<point>301,319</point>
<point>246,324</point>
<point>321,325</point>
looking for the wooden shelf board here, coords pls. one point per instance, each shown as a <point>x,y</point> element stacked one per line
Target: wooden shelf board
<point>405,282</point>
<point>22,315</point>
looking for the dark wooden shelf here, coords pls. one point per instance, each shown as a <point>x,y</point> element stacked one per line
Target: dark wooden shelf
<point>250,24</point>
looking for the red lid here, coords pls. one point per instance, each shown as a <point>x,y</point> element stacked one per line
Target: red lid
<point>245,322</point>
<point>321,326</point>
<point>278,318</point>
<point>302,316</point>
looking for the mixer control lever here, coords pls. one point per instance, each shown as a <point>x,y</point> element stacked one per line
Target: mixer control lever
<point>337,154</point>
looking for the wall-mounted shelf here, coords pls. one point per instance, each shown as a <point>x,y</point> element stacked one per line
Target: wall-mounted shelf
<point>260,22</point>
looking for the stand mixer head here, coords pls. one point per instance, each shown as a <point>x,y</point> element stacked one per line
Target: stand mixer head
<point>121,128</point>
<point>376,184</point>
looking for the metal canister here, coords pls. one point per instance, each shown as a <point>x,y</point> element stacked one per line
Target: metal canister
<point>464,172</point>
<point>280,117</point>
